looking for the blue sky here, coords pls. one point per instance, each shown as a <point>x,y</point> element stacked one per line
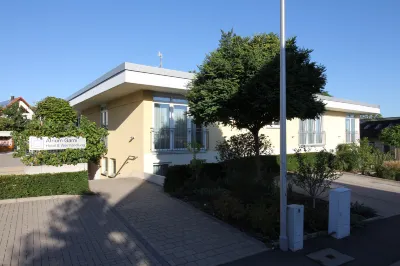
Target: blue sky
<point>57,47</point>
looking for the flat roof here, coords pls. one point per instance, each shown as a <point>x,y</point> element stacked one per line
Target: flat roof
<point>339,100</point>
<point>126,66</point>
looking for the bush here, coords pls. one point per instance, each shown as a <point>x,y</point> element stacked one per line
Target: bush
<point>265,218</point>
<point>390,170</point>
<point>228,207</point>
<point>347,157</point>
<point>364,156</point>
<point>176,177</point>
<point>315,175</point>
<point>241,146</point>
<point>378,160</point>
<point>20,186</point>
<point>361,209</point>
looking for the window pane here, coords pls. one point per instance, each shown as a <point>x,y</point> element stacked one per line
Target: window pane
<point>198,134</point>
<point>179,100</point>
<point>180,128</point>
<point>162,131</point>
<point>161,99</point>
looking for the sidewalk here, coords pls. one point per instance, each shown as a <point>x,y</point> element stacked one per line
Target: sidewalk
<point>376,244</point>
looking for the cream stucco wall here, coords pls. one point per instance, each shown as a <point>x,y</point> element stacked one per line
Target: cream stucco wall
<point>125,128</point>
<point>333,124</point>
<point>132,116</point>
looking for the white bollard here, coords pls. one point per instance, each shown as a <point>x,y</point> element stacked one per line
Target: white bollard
<point>295,226</point>
<point>339,212</point>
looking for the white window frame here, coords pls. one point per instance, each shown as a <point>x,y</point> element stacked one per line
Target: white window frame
<point>322,132</point>
<point>104,116</point>
<point>164,100</point>
<point>350,136</point>
<point>104,166</point>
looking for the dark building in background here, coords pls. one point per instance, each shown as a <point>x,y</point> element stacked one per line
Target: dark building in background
<point>372,130</point>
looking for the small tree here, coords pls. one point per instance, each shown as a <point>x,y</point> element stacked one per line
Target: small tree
<point>242,145</point>
<point>57,125</point>
<point>238,84</point>
<point>391,136</point>
<point>56,109</point>
<point>365,155</point>
<point>195,163</point>
<point>13,118</point>
<point>315,175</point>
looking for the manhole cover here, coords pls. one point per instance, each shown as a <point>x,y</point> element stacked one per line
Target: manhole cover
<point>330,257</point>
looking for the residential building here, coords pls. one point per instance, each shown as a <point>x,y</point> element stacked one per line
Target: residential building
<point>6,142</point>
<point>144,109</point>
<point>21,102</point>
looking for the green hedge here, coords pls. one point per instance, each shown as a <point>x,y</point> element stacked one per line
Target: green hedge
<point>20,186</point>
<point>177,175</point>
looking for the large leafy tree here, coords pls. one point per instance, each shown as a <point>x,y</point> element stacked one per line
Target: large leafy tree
<point>56,109</point>
<point>238,84</point>
<point>13,118</point>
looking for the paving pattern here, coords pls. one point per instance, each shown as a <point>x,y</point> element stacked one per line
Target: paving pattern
<point>68,231</point>
<point>130,223</point>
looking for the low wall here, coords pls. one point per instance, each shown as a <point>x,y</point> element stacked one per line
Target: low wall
<point>48,169</point>
<point>44,169</point>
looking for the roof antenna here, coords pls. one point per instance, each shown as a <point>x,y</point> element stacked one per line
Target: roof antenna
<point>160,56</point>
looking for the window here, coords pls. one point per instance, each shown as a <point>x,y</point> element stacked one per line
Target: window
<point>160,169</point>
<point>350,128</point>
<point>104,116</point>
<point>104,166</point>
<point>113,168</point>
<point>173,129</point>
<point>311,132</point>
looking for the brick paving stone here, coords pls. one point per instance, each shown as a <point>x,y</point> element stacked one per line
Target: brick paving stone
<point>68,231</point>
<point>170,226</point>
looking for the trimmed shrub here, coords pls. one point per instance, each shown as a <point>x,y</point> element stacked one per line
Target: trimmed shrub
<point>347,157</point>
<point>176,177</point>
<point>228,207</point>
<point>265,218</point>
<point>362,210</point>
<point>21,186</point>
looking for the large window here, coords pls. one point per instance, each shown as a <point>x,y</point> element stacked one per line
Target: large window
<point>173,129</point>
<point>311,132</point>
<point>351,133</point>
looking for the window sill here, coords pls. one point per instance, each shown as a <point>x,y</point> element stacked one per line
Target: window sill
<point>312,145</point>
<point>176,152</point>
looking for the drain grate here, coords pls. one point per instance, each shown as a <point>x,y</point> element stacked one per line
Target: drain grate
<point>330,257</point>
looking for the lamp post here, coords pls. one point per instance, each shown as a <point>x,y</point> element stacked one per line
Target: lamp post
<point>283,239</point>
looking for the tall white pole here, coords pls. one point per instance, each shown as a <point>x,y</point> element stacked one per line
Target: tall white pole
<point>283,240</point>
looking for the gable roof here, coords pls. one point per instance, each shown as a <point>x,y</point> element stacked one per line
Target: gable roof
<point>10,102</point>
<point>373,128</point>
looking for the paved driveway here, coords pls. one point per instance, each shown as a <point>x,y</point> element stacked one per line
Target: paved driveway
<point>130,223</point>
<point>180,234</point>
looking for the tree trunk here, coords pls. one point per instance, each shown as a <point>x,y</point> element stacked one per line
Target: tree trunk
<point>257,155</point>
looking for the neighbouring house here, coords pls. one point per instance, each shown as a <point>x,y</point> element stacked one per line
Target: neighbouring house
<point>21,102</point>
<point>6,142</point>
<point>372,129</point>
<point>144,109</point>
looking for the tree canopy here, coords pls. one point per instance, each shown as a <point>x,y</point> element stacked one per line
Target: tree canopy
<point>368,117</point>
<point>13,118</point>
<point>52,123</point>
<point>56,109</point>
<point>391,136</point>
<point>238,83</point>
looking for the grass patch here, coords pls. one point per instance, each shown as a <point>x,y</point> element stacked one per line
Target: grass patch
<point>21,186</point>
